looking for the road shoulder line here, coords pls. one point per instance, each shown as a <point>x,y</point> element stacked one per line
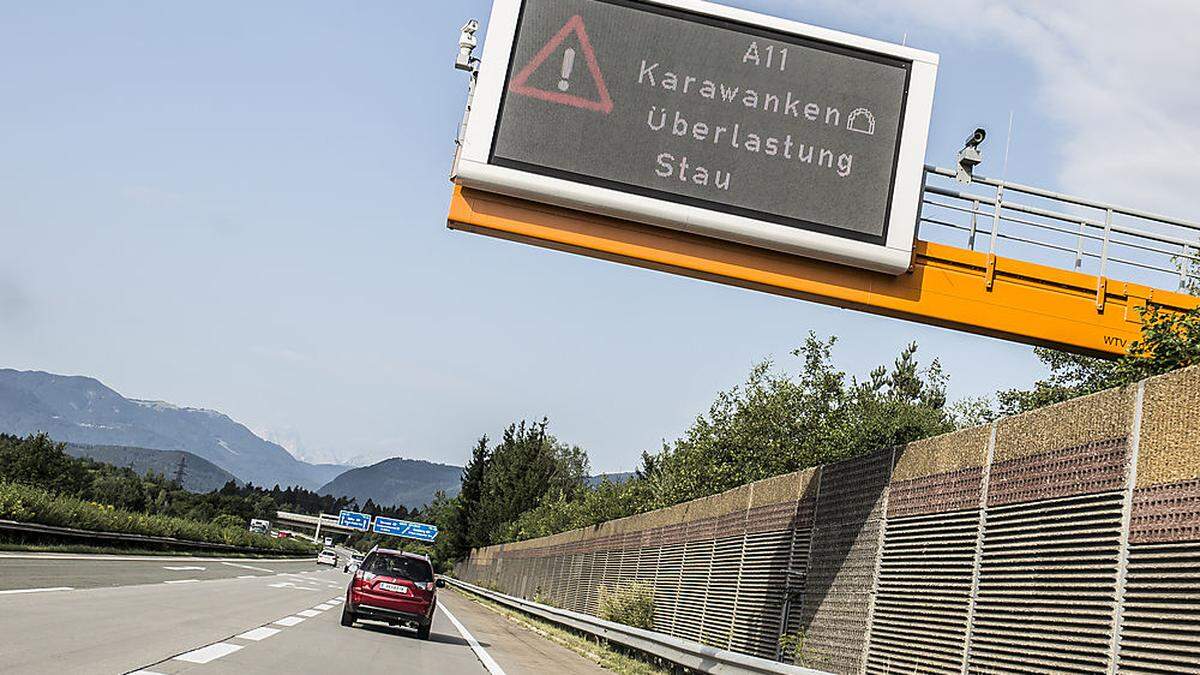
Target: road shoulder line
<point>481,653</point>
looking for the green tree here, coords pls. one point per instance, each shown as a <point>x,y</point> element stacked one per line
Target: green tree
<point>777,422</point>
<point>525,466</point>
<point>40,462</point>
<point>774,423</point>
<point>471,495</point>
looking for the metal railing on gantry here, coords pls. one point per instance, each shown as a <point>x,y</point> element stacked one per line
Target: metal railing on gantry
<point>1059,230</point>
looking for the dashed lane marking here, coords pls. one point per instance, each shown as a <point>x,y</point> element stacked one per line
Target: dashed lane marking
<point>308,613</point>
<point>248,576</point>
<point>181,581</point>
<point>209,653</point>
<point>289,621</point>
<point>323,606</point>
<point>145,672</point>
<point>249,567</point>
<point>36,590</point>
<point>260,633</point>
<point>183,568</point>
<point>484,657</point>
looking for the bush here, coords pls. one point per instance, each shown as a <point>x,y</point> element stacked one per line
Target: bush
<point>631,606</point>
<point>33,505</point>
<point>228,521</point>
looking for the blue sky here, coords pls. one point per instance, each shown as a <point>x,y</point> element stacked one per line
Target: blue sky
<point>241,206</point>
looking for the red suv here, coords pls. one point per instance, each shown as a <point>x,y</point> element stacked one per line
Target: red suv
<point>393,586</point>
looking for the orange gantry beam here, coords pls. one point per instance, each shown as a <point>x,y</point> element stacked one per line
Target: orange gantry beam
<point>946,286</point>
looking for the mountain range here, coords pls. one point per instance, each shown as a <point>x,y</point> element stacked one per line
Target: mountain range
<point>82,410</point>
<point>411,482</point>
<point>96,421</point>
<point>199,474</point>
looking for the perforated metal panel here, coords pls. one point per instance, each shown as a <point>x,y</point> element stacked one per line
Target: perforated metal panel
<point>1161,627</point>
<point>842,565</point>
<point>595,568</point>
<point>764,586</point>
<point>693,589</point>
<point>666,588</point>
<point>627,570</point>
<point>923,594</point>
<point>796,575</point>
<point>1047,586</point>
<point>721,591</point>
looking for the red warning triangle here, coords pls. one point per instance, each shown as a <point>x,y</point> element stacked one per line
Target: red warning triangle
<point>520,84</point>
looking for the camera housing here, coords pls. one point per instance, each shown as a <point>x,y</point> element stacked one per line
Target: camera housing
<point>970,156</point>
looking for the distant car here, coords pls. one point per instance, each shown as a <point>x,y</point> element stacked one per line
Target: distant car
<point>396,587</point>
<point>327,557</point>
<point>354,563</point>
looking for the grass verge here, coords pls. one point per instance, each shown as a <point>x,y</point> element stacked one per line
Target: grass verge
<point>597,651</point>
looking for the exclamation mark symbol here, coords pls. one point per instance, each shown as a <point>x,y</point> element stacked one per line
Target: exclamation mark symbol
<point>568,64</point>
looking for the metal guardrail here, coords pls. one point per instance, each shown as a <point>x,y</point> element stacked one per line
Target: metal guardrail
<point>1059,230</point>
<point>130,538</point>
<point>686,653</point>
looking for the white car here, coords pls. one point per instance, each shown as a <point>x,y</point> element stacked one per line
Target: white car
<point>327,557</point>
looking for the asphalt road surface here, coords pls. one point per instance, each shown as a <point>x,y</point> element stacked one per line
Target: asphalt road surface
<point>142,614</point>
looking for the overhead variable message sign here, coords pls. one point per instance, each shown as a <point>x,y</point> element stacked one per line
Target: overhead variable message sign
<point>708,119</point>
<point>354,520</point>
<point>404,528</point>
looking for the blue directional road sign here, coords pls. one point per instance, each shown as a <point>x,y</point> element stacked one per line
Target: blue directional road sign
<point>355,520</point>
<point>404,528</point>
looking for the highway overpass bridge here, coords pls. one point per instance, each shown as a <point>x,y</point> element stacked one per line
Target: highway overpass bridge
<point>312,525</point>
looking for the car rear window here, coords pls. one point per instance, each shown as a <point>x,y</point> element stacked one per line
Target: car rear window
<point>401,567</point>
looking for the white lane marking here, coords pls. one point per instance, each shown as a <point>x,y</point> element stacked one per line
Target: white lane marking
<point>181,581</point>
<point>484,657</point>
<point>183,568</point>
<point>335,600</point>
<point>249,567</point>
<point>209,653</point>
<point>248,576</point>
<point>289,584</point>
<point>144,672</point>
<point>36,590</point>
<point>142,558</point>
<point>260,633</point>
<point>288,621</point>
<point>308,613</point>
<point>322,607</point>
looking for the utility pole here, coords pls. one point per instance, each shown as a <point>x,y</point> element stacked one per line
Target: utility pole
<point>181,470</point>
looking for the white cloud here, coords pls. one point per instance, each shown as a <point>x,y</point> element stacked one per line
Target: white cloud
<point>1119,77</point>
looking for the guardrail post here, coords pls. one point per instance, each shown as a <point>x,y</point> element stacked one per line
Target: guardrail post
<point>1102,284</point>
<point>1108,218</point>
<point>1185,263</point>
<point>974,224</point>
<point>1079,245</point>
<point>996,217</point>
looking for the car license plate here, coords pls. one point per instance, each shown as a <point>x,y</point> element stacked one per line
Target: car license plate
<point>395,588</point>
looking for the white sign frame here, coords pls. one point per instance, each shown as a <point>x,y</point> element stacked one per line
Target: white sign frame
<point>893,257</point>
